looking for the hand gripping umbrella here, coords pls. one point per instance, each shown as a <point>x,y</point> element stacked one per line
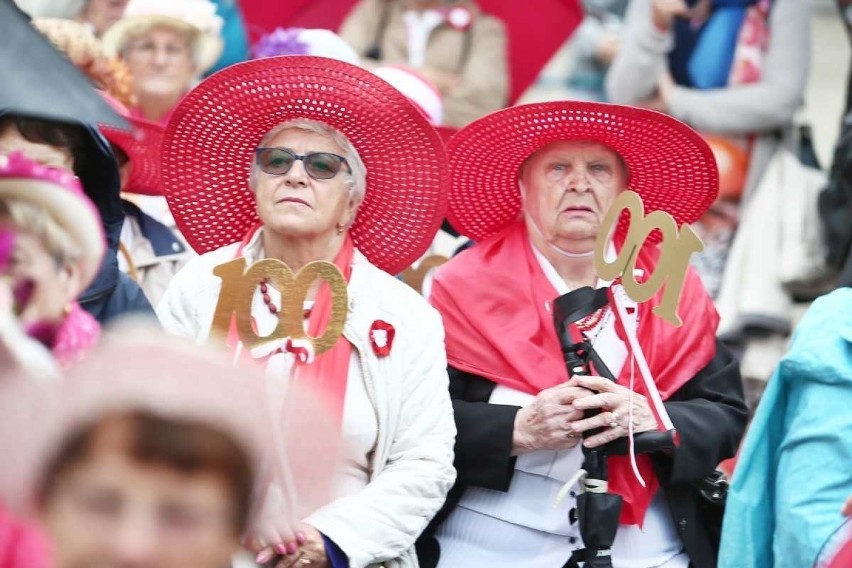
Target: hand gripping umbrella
<point>598,510</point>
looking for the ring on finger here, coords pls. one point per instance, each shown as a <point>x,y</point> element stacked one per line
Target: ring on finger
<point>613,419</point>
<point>570,430</point>
<point>305,561</point>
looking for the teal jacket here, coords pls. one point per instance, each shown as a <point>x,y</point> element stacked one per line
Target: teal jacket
<point>795,467</point>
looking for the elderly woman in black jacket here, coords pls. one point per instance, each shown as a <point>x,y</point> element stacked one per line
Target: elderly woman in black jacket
<point>534,185</point>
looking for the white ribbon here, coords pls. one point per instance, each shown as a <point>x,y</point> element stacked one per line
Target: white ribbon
<point>302,349</point>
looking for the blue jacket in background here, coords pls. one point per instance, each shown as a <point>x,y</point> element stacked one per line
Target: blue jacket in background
<point>112,293</point>
<point>233,33</point>
<point>795,467</point>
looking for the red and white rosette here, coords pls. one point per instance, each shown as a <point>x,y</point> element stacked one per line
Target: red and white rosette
<point>381,337</point>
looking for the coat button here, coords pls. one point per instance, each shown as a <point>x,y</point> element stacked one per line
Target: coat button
<point>682,525</point>
<point>572,539</point>
<point>572,515</point>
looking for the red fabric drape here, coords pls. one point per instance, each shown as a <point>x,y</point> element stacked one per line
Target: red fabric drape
<point>495,303</point>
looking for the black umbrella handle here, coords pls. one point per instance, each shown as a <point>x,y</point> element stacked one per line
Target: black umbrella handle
<point>568,309</point>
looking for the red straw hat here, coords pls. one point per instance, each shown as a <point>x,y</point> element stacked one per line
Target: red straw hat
<point>142,144</point>
<point>670,165</point>
<point>211,137</point>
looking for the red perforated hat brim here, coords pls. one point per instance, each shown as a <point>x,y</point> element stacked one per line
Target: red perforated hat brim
<point>143,146</point>
<point>671,167</point>
<point>210,139</point>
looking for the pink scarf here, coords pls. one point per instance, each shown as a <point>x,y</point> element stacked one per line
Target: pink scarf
<point>70,340</point>
<point>21,543</point>
<point>328,374</point>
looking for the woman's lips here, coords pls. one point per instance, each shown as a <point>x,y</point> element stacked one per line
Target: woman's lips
<point>578,209</point>
<point>293,200</point>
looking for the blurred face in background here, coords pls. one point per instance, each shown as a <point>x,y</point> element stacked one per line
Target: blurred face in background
<point>161,63</point>
<point>40,264</point>
<point>101,14</point>
<point>12,140</point>
<point>110,499</point>
<point>43,286</point>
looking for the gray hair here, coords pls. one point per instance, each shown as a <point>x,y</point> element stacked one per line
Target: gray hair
<point>355,182</point>
<point>187,32</point>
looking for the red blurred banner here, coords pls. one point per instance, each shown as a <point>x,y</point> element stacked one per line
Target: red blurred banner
<point>536,28</point>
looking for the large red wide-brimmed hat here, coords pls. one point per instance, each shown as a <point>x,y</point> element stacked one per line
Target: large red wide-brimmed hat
<point>671,167</point>
<point>142,144</point>
<point>211,137</point>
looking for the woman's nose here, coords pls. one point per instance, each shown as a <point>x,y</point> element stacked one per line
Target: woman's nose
<point>134,542</point>
<point>579,181</point>
<point>297,174</point>
<point>161,57</point>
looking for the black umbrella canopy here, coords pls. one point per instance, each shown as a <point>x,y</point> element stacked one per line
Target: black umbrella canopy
<point>39,82</point>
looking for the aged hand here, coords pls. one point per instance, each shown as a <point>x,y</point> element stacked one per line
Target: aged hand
<point>656,103</point>
<point>664,12</point>
<point>662,100</point>
<point>665,89</point>
<point>608,48</point>
<point>614,401</point>
<point>311,552</point>
<point>545,423</point>
<point>272,536</point>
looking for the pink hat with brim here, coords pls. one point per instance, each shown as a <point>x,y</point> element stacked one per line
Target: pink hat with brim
<point>59,192</point>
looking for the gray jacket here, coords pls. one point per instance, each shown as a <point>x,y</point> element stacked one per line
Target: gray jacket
<point>765,108</point>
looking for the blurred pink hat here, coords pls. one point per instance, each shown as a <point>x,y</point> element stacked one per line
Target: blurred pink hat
<point>417,88</point>
<point>59,192</point>
<point>136,367</point>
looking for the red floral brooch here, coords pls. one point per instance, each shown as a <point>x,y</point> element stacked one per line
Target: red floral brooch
<point>381,337</point>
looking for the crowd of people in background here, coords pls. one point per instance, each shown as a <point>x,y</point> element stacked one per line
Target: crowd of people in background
<point>315,290</point>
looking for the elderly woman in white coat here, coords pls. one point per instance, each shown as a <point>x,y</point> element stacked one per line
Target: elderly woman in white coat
<point>305,159</point>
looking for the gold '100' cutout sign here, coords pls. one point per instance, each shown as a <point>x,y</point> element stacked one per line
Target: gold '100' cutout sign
<point>238,288</point>
<point>675,249</point>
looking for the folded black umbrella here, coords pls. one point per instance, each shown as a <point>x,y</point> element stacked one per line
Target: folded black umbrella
<point>40,82</point>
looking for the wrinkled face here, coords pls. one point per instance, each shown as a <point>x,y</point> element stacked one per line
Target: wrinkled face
<point>103,13</point>
<point>160,62</point>
<point>42,287</point>
<point>11,140</point>
<point>297,205</point>
<point>109,511</point>
<point>568,187</point>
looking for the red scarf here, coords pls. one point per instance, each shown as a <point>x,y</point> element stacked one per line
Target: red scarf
<point>329,372</point>
<point>504,332</point>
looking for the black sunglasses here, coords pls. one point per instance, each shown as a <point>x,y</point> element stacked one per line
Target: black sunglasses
<point>318,165</point>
